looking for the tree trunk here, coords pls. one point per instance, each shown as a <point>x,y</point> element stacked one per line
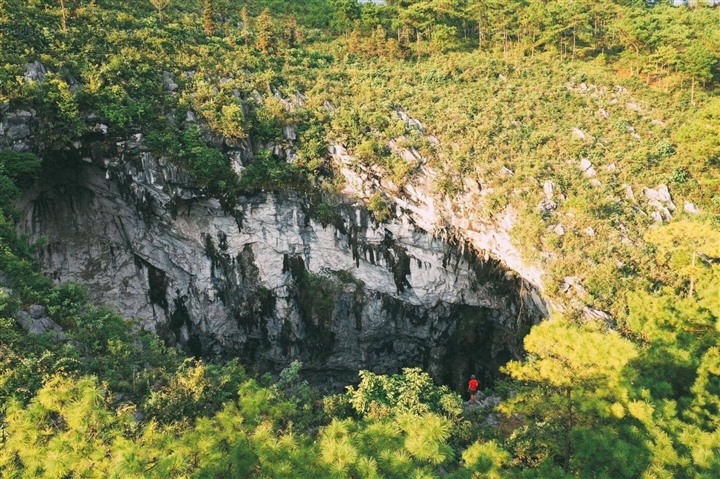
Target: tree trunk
<point>480,35</point>
<point>574,43</point>
<point>692,276</point>
<point>63,16</point>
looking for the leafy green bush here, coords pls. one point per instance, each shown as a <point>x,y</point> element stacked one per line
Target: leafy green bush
<point>412,391</point>
<point>378,207</point>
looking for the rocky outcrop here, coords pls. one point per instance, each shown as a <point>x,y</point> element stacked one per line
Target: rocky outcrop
<point>269,283</point>
<point>34,320</point>
<point>16,129</point>
<point>265,280</point>
<point>417,199</point>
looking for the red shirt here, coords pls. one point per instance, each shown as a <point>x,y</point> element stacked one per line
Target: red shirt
<point>473,385</point>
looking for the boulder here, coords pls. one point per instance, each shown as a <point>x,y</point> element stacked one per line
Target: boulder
<point>290,132</point>
<point>629,192</point>
<point>587,168</point>
<point>690,208</point>
<point>34,321</point>
<point>579,134</point>
<point>18,132</point>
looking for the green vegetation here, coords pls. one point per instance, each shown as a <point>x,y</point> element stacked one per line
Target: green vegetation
<point>511,95</point>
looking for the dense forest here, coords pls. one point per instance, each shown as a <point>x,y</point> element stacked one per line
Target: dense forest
<point>560,109</point>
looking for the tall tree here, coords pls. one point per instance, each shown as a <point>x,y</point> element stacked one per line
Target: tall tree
<point>574,376</point>
<point>480,12</point>
<point>291,32</point>
<point>346,13</point>
<point>245,24</point>
<point>160,6</point>
<point>698,63</point>
<point>208,20</point>
<point>265,35</point>
<point>63,16</point>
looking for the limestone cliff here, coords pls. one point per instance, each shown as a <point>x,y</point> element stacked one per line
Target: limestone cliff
<point>265,280</point>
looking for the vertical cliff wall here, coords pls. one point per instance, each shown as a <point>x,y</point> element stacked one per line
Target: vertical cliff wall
<point>267,282</point>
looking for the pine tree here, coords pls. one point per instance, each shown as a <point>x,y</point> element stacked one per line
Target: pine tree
<point>3,20</point>
<point>160,5</point>
<point>265,37</point>
<point>355,42</point>
<point>574,376</point>
<point>698,64</point>
<point>208,21</point>
<point>291,32</point>
<point>245,24</point>
<point>63,16</point>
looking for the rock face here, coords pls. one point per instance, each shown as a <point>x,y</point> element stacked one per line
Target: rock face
<point>267,282</point>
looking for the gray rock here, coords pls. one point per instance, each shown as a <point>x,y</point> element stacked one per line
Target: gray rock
<point>100,128</point>
<point>546,206</point>
<point>690,208</point>
<point>493,420</point>
<point>35,72</point>
<point>579,134</point>
<point>20,117</point>
<point>150,245</point>
<point>596,314</point>
<point>661,201</point>
<point>572,286</point>
<point>548,189</point>
<point>169,82</point>
<point>18,132</point>
<point>39,325</point>
<point>329,106</point>
<point>629,192</point>
<point>587,168</point>
<point>663,193</point>
<point>35,311</point>
<point>290,132</point>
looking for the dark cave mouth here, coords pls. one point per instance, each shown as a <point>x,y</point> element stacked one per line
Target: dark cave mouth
<point>469,340</point>
<point>477,345</point>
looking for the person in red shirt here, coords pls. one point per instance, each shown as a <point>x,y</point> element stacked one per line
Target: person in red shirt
<point>473,386</point>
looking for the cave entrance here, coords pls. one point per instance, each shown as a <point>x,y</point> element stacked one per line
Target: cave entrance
<point>478,345</point>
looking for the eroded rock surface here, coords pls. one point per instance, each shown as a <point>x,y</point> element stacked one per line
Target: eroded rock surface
<point>267,282</point>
